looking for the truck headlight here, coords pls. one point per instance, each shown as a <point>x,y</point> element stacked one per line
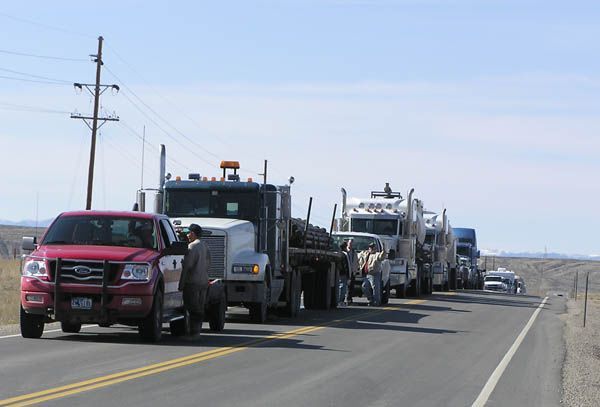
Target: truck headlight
<point>246,268</point>
<point>35,268</point>
<point>136,272</point>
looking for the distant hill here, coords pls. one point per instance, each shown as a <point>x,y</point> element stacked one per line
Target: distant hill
<point>539,255</point>
<point>543,275</point>
<point>11,237</point>
<point>27,222</point>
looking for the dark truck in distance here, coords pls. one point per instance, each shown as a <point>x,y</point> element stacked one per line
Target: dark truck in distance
<point>106,267</point>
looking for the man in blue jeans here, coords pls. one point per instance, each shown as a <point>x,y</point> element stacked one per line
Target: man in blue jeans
<point>369,262</point>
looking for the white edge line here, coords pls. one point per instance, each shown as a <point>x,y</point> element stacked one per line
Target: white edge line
<point>490,385</point>
<point>46,332</point>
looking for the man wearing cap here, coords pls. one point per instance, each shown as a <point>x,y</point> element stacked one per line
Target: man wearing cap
<point>194,277</point>
<point>369,262</point>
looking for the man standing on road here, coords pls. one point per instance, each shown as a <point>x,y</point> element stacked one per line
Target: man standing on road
<point>353,260</point>
<point>194,278</point>
<point>344,275</point>
<point>369,262</point>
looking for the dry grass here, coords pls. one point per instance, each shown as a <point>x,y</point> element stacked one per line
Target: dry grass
<point>9,291</point>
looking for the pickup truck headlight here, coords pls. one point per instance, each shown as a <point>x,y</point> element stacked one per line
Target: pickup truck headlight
<point>35,268</point>
<point>246,268</point>
<point>136,272</point>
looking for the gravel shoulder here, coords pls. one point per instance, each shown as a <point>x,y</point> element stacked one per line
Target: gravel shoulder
<point>581,370</point>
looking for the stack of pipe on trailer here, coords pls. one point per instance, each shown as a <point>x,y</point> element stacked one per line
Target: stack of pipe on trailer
<point>316,237</point>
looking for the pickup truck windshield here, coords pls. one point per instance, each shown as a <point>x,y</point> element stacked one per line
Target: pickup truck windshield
<point>359,243</point>
<point>102,231</point>
<point>493,278</point>
<point>375,226</point>
<point>212,204</point>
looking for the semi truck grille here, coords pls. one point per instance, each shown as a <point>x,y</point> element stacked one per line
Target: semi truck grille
<point>84,271</point>
<point>216,246</point>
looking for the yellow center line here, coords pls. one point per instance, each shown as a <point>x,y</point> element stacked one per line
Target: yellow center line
<point>111,379</point>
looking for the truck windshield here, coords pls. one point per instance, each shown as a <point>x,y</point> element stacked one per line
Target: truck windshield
<point>359,243</point>
<point>375,226</point>
<point>463,250</point>
<point>493,278</point>
<point>102,231</point>
<point>212,204</point>
<point>430,237</point>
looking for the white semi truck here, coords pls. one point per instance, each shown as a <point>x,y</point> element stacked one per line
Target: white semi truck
<point>440,250</point>
<point>247,226</point>
<point>399,222</point>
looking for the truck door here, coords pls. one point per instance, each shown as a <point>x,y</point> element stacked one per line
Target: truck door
<point>170,266</point>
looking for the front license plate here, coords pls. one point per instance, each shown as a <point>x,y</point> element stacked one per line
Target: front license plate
<point>81,303</point>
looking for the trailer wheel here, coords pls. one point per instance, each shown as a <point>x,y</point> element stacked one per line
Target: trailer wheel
<point>178,327</point>
<point>216,315</point>
<point>292,308</point>
<point>258,310</point>
<point>151,327</point>
<point>385,293</point>
<point>70,327</point>
<point>308,286</point>
<point>32,326</point>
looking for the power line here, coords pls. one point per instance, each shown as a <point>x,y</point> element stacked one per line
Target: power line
<point>164,98</point>
<point>187,147</point>
<point>31,80</point>
<point>35,76</point>
<point>46,26</point>
<point>27,108</point>
<point>24,54</point>
<point>136,134</point>
<point>189,139</point>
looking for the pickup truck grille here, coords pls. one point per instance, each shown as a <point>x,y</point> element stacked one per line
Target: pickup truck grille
<point>216,246</point>
<point>84,271</point>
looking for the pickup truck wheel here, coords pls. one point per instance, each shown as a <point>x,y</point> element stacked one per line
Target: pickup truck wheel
<point>151,328</point>
<point>32,326</point>
<point>216,314</point>
<point>385,293</point>
<point>70,327</point>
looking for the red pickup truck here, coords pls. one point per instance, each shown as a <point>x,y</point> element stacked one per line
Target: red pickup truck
<point>106,267</point>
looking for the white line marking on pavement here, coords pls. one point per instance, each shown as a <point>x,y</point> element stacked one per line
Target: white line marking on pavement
<point>46,332</point>
<point>490,385</point>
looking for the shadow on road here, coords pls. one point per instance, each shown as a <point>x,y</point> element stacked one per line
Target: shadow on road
<point>489,299</point>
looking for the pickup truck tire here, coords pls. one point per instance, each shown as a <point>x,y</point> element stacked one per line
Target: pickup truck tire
<point>70,327</point>
<point>32,326</point>
<point>385,293</point>
<point>151,327</point>
<point>217,313</point>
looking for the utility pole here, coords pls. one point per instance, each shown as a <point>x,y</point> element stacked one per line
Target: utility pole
<point>98,89</point>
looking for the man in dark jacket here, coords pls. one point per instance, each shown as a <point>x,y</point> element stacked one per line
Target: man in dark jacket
<point>194,277</point>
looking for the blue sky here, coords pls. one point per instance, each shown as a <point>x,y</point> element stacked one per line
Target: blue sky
<point>489,108</point>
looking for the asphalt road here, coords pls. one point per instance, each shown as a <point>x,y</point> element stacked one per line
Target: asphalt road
<point>436,351</point>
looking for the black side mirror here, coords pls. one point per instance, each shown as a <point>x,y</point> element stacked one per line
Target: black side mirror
<point>29,243</point>
<point>391,254</point>
<point>177,249</point>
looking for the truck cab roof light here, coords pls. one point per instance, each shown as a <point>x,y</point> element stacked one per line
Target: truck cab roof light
<point>204,179</point>
<point>221,179</point>
<point>213,179</point>
<point>234,165</point>
<point>178,178</point>
<point>250,179</point>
